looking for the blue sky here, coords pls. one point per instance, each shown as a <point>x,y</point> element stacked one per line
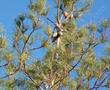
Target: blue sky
<point>10,9</point>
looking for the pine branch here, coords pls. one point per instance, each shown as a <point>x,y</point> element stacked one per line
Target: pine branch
<point>73,67</point>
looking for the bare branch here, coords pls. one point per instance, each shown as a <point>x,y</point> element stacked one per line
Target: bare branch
<point>36,48</point>
<point>27,40</point>
<point>4,65</point>
<point>58,11</point>
<point>100,84</point>
<point>50,21</point>
<point>29,77</point>
<point>102,81</point>
<point>11,73</point>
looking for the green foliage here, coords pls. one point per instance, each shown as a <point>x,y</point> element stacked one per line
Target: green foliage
<point>3,42</point>
<point>69,3</point>
<point>106,24</point>
<point>72,51</point>
<point>40,7</point>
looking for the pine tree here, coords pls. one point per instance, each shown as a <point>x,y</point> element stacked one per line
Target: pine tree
<point>69,57</point>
